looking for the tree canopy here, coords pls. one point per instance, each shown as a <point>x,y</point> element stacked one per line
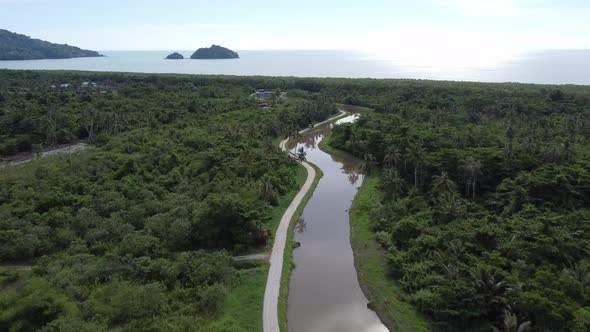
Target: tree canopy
<point>485,199</point>
<point>138,233</point>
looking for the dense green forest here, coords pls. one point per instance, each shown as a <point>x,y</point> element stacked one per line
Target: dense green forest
<point>14,46</point>
<point>138,233</point>
<point>485,199</point>
<point>483,217</point>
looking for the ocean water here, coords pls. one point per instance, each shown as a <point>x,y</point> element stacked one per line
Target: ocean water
<point>544,67</point>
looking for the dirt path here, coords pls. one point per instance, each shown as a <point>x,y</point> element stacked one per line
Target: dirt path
<point>262,256</point>
<point>270,317</point>
<point>50,152</point>
<point>16,267</point>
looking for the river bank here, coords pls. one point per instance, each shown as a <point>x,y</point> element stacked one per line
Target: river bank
<point>288,264</point>
<point>324,294</point>
<point>370,262</point>
<point>275,295</point>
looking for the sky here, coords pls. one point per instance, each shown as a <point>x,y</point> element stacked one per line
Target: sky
<point>446,31</point>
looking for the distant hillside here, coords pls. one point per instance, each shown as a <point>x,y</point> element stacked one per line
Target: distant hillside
<point>214,52</point>
<point>14,46</point>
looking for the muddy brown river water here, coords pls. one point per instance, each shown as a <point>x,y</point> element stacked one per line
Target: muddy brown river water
<point>324,294</point>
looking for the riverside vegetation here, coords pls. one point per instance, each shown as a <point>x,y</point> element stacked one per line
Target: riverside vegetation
<point>137,234</point>
<point>479,195</point>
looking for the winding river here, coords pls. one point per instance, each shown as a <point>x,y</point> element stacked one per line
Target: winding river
<point>324,294</point>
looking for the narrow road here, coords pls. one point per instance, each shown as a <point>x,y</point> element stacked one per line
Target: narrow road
<point>27,158</point>
<point>261,256</point>
<point>16,267</point>
<point>270,317</point>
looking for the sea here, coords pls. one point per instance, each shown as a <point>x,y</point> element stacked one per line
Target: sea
<point>541,67</point>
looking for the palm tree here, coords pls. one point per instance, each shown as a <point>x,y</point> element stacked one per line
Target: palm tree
<point>572,129</point>
<point>292,132</point>
<point>266,191</point>
<point>369,164</point>
<point>510,323</point>
<point>418,156</point>
<point>393,157</point>
<point>275,96</point>
<point>449,204</point>
<point>510,133</point>
<point>301,154</point>
<point>449,259</point>
<point>354,142</point>
<point>567,150</point>
<point>443,183</point>
<point>392,182</point>
<point>491,285</point>
<point>89,121</point>
<point>473,168</point>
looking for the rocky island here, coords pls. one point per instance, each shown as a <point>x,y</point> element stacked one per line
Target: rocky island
<point>14,46</point>
<point>214,52</point>
<point>175,56</point>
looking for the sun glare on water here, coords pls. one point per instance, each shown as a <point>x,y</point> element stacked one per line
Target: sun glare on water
<point>445,49</point>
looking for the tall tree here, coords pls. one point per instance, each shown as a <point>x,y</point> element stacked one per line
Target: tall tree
<point>443,183</point>
<point>449,205</point>
<point>510,133</point>
<point>418,156</point>
<point>370,162</point>
<point>89,121</point>
<point>392,182</point>
<point>393,157</point>
<point>472,169</point>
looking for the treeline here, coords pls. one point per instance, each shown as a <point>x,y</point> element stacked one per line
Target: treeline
<point>137,234</point>
<point>485,211</point>
<point>40,109</point>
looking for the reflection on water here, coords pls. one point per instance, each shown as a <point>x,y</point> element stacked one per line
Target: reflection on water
<point>353,178</point>
<point>324,294</point>
<point>300,225</point>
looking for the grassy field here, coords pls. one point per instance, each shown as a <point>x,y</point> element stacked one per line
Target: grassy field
<point>370,261</point>
<point>242,310</point>
<point>288,264</point>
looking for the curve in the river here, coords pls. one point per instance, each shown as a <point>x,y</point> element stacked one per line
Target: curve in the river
<point>270,318</point>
